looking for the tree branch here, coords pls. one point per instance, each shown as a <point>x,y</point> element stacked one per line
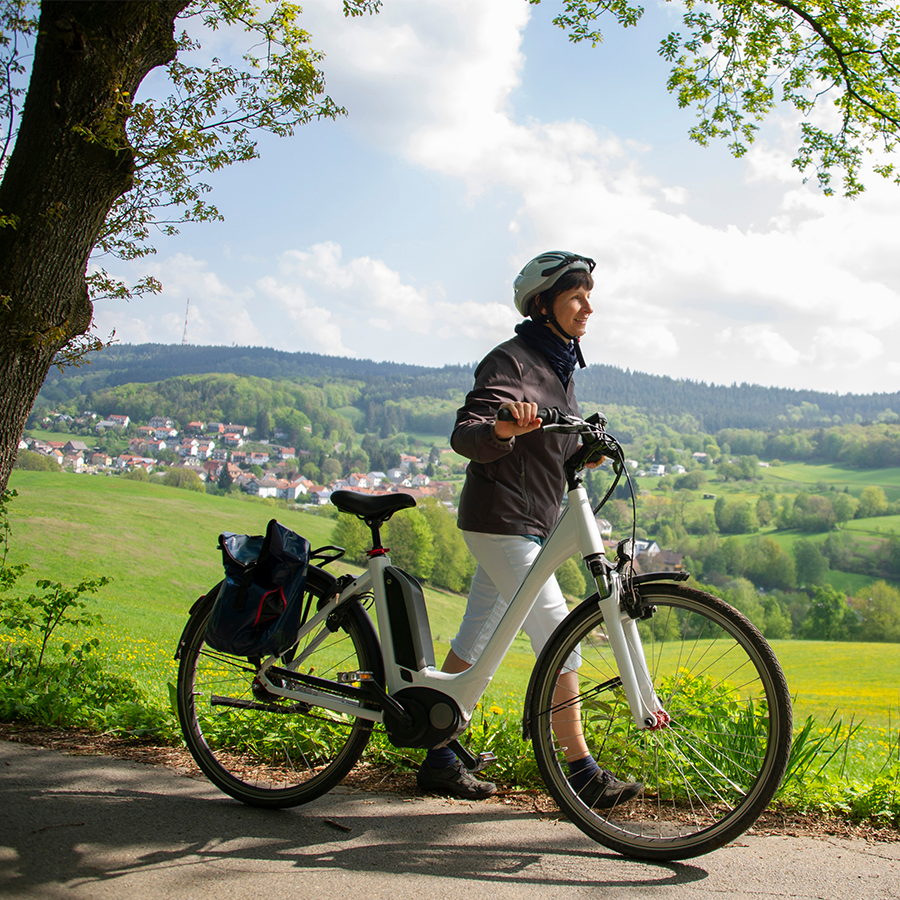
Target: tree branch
<point>840,56</point>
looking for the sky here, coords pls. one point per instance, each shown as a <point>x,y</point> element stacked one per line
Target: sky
<point>477,137</point>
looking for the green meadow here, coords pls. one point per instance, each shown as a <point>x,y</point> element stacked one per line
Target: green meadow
<point>808,475</point>
<point>159,546</point>
<point>62,436</point>
<point>881,526</point>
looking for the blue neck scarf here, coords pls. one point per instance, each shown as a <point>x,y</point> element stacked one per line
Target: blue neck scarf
<point>560,355</point>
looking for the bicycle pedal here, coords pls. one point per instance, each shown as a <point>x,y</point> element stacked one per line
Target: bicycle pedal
<point>353,677</point>
<point>482,761</point>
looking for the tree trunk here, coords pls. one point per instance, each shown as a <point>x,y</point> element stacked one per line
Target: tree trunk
<point>59,184</point>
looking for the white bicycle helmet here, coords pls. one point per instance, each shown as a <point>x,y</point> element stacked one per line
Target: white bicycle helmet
<point>541,273</point>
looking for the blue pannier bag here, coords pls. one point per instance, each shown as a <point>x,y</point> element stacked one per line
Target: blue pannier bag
<point>259,607</point>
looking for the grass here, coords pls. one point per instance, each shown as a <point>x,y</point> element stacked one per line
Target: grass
<point>158,544</point>
<point>427,440</point>
<point>788,480</point>
<point>809,474</point>
<point>852,583</point>
<point>62,436</point>
<point>794,477</point>
<point>856,679</point>
<point>880,526</point>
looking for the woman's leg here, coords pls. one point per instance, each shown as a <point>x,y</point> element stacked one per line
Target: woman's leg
<point>441,771</point>
<point>484,609</point>
<point>566,718</point>
<point>454,665</point>
<point>503,563</point>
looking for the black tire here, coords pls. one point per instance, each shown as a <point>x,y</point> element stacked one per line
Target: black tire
<point>279,756</point>
<point>713,770</point>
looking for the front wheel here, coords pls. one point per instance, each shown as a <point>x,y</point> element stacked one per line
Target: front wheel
<point>260,748</point>
<point>709,774</point>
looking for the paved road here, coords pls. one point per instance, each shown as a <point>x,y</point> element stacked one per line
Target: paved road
<point>93,827</point>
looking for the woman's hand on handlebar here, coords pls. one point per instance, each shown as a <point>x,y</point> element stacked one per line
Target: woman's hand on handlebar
<point>524,419</point>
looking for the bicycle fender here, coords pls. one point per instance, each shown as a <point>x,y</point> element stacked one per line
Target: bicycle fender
<point>208,598</point>
<point>213,592</point>
<point>660,576</point>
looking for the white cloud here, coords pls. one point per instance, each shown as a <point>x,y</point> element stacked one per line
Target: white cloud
<point>676,195</point>
<point>217,313</point>
<point>846,348</point>
<point>364,283</point>
<point>364,293</point>
<point>763,343</point>
<point>314,331</point>
<point>482,322</point>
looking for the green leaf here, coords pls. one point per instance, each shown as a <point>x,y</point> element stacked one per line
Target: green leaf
<point>740,59</point>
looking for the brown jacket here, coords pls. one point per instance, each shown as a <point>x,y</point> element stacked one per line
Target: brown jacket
<point>515,486</point>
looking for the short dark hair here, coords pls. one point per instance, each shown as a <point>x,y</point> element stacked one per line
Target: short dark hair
<point>542,304</point>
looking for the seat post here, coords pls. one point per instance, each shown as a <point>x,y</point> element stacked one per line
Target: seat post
<point>375,527</point>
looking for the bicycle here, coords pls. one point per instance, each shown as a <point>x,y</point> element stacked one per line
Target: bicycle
<point>678,690</point>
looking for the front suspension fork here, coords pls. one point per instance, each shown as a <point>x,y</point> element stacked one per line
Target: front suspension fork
<point>646,708</point>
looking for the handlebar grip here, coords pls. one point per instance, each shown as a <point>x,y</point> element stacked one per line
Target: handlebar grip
<point>547,416</point>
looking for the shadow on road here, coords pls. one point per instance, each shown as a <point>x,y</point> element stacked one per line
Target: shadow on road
<point>81,821</point>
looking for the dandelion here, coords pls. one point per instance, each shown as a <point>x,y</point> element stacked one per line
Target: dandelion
<point>496,710</point>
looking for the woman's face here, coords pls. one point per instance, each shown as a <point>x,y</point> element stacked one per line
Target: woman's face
<point>572,310</point>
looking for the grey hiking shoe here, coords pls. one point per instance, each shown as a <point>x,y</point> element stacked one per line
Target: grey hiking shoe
<point>454,779</point>
<point>605,791</point>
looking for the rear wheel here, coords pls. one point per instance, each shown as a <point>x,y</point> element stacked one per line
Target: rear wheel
<point>260,748</point>
<point>709,774</point>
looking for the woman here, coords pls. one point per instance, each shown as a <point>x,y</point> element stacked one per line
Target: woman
<point>512,497</point>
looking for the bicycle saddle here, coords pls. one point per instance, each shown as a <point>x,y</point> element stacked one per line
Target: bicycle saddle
<point>379,507</point>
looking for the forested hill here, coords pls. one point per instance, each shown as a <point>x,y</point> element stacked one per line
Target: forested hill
<point>729,406</point>
<point>147,363</point>
<point>713,406</point>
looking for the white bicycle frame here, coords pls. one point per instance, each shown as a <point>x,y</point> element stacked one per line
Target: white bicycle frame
<point>576,528</point>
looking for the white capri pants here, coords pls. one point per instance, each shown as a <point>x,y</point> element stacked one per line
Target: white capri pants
<point>503,562</point>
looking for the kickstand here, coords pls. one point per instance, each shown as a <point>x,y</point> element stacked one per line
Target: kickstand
<point>472,763</point>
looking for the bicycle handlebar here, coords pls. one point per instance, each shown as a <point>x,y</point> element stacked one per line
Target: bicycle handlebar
<point>547,416</point>
<point>560,421</point>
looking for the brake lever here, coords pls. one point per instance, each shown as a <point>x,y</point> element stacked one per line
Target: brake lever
<point>573,428</point>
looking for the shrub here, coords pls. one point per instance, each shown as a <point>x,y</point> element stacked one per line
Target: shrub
<point>36,462</point>
<point>184,478</point>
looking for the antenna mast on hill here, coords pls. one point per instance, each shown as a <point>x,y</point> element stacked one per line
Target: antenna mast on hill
<point>186,311</point>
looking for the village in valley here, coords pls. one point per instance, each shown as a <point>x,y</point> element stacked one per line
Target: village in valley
<point>221,453</point>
